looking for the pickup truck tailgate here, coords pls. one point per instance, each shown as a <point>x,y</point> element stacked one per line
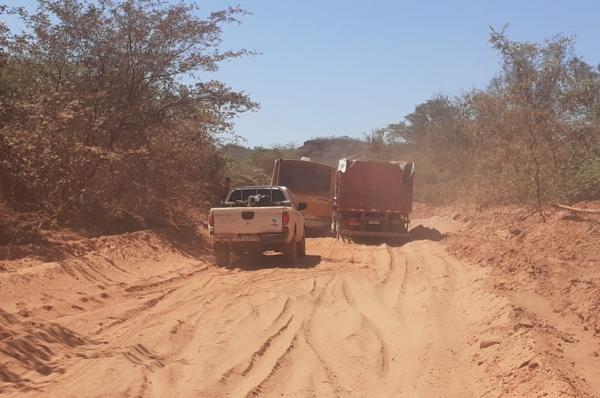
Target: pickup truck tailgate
<point>247,220</point>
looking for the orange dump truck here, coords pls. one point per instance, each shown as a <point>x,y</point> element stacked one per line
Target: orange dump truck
<point>373,199</point>
<point>312,183</point>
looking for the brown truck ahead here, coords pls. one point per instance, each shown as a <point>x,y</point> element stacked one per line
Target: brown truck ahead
<point>373,199</point>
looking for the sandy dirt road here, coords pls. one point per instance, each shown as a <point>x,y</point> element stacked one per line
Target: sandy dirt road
<point>352,321</point>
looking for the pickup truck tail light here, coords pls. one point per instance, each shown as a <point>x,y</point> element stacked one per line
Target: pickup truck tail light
<point>285,218</point>
<point>211,219</point>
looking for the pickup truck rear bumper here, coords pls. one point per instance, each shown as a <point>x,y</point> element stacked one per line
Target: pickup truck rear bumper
<point>250,239</point>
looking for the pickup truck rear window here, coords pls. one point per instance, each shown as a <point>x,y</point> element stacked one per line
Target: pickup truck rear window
<point>242,194</point>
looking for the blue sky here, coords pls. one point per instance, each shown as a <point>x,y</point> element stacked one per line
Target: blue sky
<point>346,67</point>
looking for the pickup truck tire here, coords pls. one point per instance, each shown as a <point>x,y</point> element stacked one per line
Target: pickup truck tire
<point>222,255</point>
<point>291,251</point>
<point>302,247</point>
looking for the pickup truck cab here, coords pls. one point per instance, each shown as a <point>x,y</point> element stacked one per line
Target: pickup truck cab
<point>257,218</point>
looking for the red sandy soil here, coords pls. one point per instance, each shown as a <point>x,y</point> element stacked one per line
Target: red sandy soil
<point>550,270</point>
<point>485,311</point>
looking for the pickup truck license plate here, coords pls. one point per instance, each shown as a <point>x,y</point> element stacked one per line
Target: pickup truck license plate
<point>374,222</point>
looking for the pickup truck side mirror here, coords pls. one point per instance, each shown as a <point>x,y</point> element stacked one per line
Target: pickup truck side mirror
<point>302,206</point>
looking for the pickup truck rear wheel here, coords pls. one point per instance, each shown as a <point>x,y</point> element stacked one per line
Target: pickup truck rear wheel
<point>291,252</point>
<point>222,255</point>
<point>302,247</point>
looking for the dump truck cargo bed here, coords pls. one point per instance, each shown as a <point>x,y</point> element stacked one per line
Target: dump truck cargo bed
<point>373,199</point>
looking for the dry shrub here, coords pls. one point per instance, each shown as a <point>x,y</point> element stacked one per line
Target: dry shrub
<point>104,122</point>
<point>532,136</point>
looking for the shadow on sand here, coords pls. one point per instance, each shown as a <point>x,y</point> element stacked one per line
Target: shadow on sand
<point>419,232</point>
<point>266,261</point>
<point>425,233</point>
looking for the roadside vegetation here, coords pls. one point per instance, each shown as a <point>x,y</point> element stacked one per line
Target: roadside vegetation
<point>109,121</point>
<point>531,136</point>
<point>108,116</point>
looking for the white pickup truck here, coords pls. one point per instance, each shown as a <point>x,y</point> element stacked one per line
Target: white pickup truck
<point>257,219</point>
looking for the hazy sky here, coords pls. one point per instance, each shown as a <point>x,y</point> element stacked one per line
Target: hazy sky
<point>346,67</point>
